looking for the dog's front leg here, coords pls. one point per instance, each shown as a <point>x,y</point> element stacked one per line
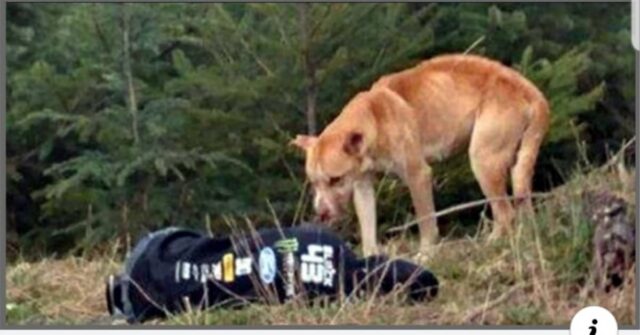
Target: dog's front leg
<point>418,177</point>
<point>364,199</point>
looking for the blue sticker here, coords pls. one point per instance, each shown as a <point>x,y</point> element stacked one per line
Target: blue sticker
<point>268,268</point>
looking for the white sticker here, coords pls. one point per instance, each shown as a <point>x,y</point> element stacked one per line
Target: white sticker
<point>243,266</point>
<point>205,273</point>
<point>186,270</point>
<point>195,270</point>
<point>177,271</point>
<point>317,266</point>
<point>267,261</point>
<point>216,269</point>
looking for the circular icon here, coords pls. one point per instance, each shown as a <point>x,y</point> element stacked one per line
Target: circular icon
<point>594,320</point>
<point>267,262</point>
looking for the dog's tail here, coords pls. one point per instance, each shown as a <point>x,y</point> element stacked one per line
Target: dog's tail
<point>532,138</point>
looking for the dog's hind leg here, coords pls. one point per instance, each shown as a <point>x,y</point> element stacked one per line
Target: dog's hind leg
<point>494,141</point>
<point>532,137</point>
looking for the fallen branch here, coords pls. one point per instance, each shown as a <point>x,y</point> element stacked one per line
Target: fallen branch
<point>478,311</point>
<point>619,155</point>
<point>465,206</point>
<point>481,310</point>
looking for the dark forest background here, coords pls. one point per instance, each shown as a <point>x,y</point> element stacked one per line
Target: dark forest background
<point>123,118</point>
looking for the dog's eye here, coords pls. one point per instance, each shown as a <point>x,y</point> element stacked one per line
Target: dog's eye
<point>334,180</point>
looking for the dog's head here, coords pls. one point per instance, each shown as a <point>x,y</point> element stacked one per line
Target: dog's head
<point>333,165</point>
<point>338,158</point>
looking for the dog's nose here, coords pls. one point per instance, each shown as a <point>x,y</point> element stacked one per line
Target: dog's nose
<point>324,216</point>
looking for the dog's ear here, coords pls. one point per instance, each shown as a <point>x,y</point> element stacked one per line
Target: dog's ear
<point>354,143</point>
<point>303,142</point>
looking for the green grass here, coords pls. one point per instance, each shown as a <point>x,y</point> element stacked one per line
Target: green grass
<point>538,276</point>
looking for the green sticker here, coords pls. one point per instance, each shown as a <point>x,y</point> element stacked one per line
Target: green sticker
<point>287,245</point>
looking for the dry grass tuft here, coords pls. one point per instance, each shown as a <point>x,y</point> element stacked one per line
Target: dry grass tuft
<point>67,291</point>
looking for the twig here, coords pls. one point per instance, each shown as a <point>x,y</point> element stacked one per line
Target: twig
<point>126,45</point>
<point>493,304</point>
<point>474,313</point>
<point>309,67</point>
<point>474,44</point>
<point>464,206</point>
<point>613,160</point>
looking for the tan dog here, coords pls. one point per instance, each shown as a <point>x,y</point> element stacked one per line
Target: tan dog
<point>425,114</point>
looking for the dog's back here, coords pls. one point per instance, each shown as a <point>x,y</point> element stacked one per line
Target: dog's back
<point>450,92</point>
<point>469,74</point>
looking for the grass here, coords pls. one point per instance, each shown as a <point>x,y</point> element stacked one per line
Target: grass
<point>541,275</point>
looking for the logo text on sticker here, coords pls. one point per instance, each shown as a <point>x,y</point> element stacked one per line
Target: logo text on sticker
<point>317,265</point>
<point>227,269</point>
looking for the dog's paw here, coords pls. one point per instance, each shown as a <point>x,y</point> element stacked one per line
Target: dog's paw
<point>426,252</point>
<point>497,235</point>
